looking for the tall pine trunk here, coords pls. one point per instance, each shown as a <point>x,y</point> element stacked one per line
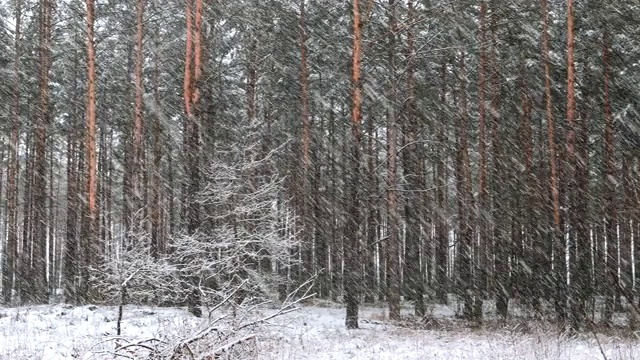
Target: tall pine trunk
<point>441,236</point>
<point>352,228</point>
<point>25,280</point>
<point>610,181</point>
<point>464,271</point>
<point>303,186</point>
<point>392,182</point>
<point>192,83</point>
<point>413,165</point>
<point>39,198</point>
<point>10,258</point>
<point>157,228</point>
<point>138,123</point>
<point>91,247</point>
<point>71,257</point>
<point>557,236</point>
<point>483,251</point>
<point>373,213</point>
<point>503,242</point>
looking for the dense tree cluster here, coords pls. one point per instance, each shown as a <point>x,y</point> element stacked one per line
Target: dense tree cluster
<point>389,149</point>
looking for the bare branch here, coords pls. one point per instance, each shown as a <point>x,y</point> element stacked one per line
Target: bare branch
<point>227,347</point>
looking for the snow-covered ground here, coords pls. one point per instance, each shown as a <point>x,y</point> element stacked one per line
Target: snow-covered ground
<point>319,333</point>
<point>65,332</point>
<point>313,332</point>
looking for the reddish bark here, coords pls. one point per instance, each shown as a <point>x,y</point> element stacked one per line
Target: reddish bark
<point>557,237</point>
<point>353,208</point>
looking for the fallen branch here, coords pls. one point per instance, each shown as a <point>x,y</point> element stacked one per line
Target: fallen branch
<point>114,354</point>
<point>185,343</point>
<point>118,351</point>
<point>280,312</point>
<point>223,349</point>
<point>141,344</point>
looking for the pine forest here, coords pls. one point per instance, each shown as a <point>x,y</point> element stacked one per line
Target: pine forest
<point>403,155</point>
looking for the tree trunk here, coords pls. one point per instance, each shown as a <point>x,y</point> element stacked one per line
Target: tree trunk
<point>413,165</point>
<point>71,256</point>
<point>532,268</point>
<point>570,175</point>
<point>193,75</point>
<point>352,229</point>
<point>192,83</point>
<point>442,238</point>
<point>483,255</point>
<point>157,230</point>
<point>40,291</point>
<point>305,210</point>
<point>392,182</point>
<point>138,123</point>
<point>10,258</point>
<point>52,262</point>
<point>337,241</point>
<point>320,215</point>
<point>627,232</point>
<point>583,292</point>
<point>503,243</point>
<point>373,213</point>
<point>90,228</point>
<point>463,188</point>
<point>25,280</point>
<point>610,181</point>
<point>557,238</point>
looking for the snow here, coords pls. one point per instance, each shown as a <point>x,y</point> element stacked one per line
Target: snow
<point>319,333</point>
<point>65,332</point>
<point>60,332</point>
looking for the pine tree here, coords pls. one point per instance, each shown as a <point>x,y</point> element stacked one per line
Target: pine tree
<point>10,258</point>
<point>39,198</point>
<point>352,227</point>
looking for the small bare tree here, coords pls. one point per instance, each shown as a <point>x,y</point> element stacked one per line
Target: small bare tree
<point>244,237</point>
<point>232,265</point>
<point>134,276</point>
<point>235,259</point>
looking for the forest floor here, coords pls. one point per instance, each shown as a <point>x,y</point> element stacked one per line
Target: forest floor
<point>57,332</point>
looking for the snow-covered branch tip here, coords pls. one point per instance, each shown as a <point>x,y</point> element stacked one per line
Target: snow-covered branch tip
<point>226,348</point>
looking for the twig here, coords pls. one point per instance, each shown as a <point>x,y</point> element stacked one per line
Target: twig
<point>200,335</point>
<point>227,347</point>
<point>280,312</point>
<point>117,351</point>
<point>379,241</point>
<point>185,343</point>
<point>252,308</point>
<point>287,306</point>
<point>228,297</point>
<point>141,344</point>
<point>294,292</point>
<point>126,281</point>
<point>115,354</point>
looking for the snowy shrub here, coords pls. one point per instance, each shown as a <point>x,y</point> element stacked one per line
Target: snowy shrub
<point>243,238</point>
<point>243,245</point>
<point>134,276</point>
